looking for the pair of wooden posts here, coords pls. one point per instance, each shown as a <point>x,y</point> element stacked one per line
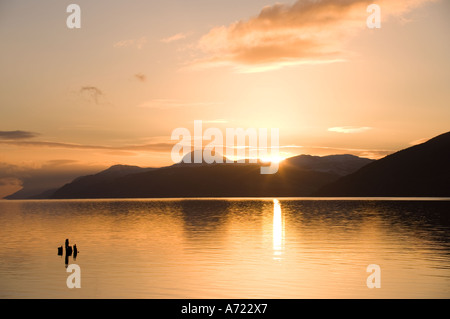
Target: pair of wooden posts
<point>69,250</point>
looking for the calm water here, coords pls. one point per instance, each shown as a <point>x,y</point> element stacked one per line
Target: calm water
<point>257,248</point>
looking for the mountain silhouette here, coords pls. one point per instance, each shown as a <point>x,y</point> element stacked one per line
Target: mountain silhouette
<point>190,158</point>
<point>337,164</point>
<point>92,181</point>
<point>419,171</point>
<point>297,176</point>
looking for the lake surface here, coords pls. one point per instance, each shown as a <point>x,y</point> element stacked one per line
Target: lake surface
<point>226,248</point>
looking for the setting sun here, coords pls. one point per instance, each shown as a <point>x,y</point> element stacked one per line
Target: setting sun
<point>272,159</point>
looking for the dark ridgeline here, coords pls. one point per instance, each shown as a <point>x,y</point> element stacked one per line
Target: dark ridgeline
<point>107,175</point>
<point>419,171</point>
<point>297,176</point>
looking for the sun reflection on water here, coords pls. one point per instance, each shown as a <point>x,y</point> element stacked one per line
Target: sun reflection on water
<point>278,230</point>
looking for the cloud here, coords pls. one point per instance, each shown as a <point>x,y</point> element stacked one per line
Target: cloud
<point>121,153</point>
<point>176,37</point>
<point>420,141</point>
<point>324,151</point>
<point>93,93</point>
<point>218,121</point>
<point>349,129</point>
<point>6,169</point>
<point>9,185</point>
<point>61,162</point>
<point>283,35</point>
<point>16,135</point>
<point>137,43</point>
<point>170,103</point>
<point>152,147</point>
<point>141,77</point>
<point>34,179</point>
<point>10,181</point>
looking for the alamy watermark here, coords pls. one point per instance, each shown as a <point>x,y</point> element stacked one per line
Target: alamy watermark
<point>74,19</point>
<point>235,142</point>
<point>74,280</point>
<point>374,20</point>
<point>374,279</point>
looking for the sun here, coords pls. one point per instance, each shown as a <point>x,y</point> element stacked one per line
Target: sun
<point>272,159</point>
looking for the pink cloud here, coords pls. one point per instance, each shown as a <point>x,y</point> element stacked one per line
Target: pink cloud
<point>283,35</point>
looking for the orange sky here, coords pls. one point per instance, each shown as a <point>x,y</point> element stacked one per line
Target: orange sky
<point>113,91</point>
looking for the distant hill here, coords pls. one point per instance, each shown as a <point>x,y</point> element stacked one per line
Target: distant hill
<point>419,171</point>
<point>298,176</point>
<point>39,182</point>
<point>31,193</point>
<point>189,159</point>
<point>336,164</point>
<point>92,181</point>
<point>44,195</point>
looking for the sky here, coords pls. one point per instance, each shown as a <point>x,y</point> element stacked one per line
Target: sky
<point>113,91</point>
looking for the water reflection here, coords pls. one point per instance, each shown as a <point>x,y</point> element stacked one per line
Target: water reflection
<point>226,249</point>
<point>203,219</point>
<point>278,230</point>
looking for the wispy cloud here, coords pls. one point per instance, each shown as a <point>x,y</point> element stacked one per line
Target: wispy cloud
<point>349,129</point>
<point>140,77</point>
<point>176,37</point>
<point>154,147</point>
<point>93,93</point>
<point>171,103</point>
<point>420,141</point>
<point>10,181</point>
<point>218,121</point>
<point>284,35</point>
<point>324,151</point>
<point>61,162</point>
<point>136,43</point>
<point>17,135</point>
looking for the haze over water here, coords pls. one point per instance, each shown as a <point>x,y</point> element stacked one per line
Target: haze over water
<point>226,248</point>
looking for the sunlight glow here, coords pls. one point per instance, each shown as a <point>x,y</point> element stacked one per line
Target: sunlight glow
<point>272,159</point>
